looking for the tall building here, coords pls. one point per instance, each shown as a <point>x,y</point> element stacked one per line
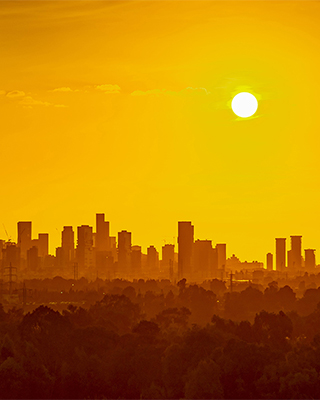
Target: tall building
<point>24,238</point>
<point>296,252</point>
<point>167,262</point>
<point>102,233</point>
<point>280,254</point>
<point>310,259</point>
<point>84,250</point>
<point>124,253</point>
<point>10,254</point>
<point>136,261</point>
<point>152,262</point>
<point>202,259</point>
<point>221,255</point>
<point>67,246</point>
<point>167,255</point>
<point>185,249</point>
<point>32,259</point>
<point>269,261</point>
<point>43,244</point>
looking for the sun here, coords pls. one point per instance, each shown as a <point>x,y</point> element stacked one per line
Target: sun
<point>244,104</point>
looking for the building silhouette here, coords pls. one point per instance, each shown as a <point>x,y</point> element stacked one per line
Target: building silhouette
<point>221,249</point>
<point>24,238</point>
<point>10,254</point>
<point>202,259</point>
<point>124,253</point>
<point>295,255</point>
<point>280,254</point>
<point>102,233</point>
<point>67,246</point>
<point>32,259</point>
<point>43,244</point>
<point>185,249</point>
<point>310,259</point>
<point>152,262</point>
<point>167,262</point>
<point>84,251</point>
<point>136,261</point>
<point>269,261</point>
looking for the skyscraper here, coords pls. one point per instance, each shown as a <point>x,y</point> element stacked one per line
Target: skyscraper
<point>269,261</point>
<point>43,244</point>
<point>221,255</point>
<point>185,249</point>
<point>202,259</point>
<point>124,253</point>
<point>152,262</point>
<point>310,259</point>
<point>167,255</point>
<point>280,254</point>
<point>85,248</point>
<point>296,252</point>
<point>102,235</point>
<point>167,261</point>
<point>67,246</point>
<point>24,238</point>
<point>136,261</point>
<point>32,259</point>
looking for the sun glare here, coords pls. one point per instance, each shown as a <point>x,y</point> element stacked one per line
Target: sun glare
<point>244,104</point>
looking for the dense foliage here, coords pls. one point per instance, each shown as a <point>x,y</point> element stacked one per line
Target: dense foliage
<point>172,346</point>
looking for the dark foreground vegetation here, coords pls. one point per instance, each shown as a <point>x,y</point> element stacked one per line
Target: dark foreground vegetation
<point>193,344</point>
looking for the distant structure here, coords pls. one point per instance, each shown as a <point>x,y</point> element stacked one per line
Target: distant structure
<point>152,262</point>
<point>102,233</point>
<point>10,254</point>
<point>33,258</point>
<point>310,259</point>
<point>43,244</point>
<point>167,263</point>
<point>102,243</point>
<point>202,260</point>
<point>97,254</point>
<point>269,261</point>
<point>221,255</point>
<point>295,255</point>
<point>67,246</point>
<point>136,258</point>
<point>84,252</point>
<point>24,238</point>
<point>185,247</point>
<point>124,253</point>
<point>280,254</point>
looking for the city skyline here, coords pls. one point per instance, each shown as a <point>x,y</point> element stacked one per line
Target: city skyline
<point>125,107</point>
<point>95,250</point>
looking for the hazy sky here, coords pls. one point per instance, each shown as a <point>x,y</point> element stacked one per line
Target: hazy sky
<point>124,108</point>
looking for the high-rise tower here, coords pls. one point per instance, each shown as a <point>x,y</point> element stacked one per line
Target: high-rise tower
<point>185,248</point>
<point>24,238</point>
<point>280,254</point>
<point>102,235</point>
<point>295,252</point>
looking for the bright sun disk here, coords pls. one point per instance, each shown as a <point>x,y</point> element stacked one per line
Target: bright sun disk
<point>244,104</point>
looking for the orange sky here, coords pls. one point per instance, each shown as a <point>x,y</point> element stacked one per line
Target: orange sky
<point>123,108</point>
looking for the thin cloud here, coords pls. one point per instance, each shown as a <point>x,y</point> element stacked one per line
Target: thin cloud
<point>64,89</point>
<point>160,92</point>
<point>30,101</point>
<point>27,101</point>
<point>105,88</point>
<point>15,94</point>
<point>108,88</point>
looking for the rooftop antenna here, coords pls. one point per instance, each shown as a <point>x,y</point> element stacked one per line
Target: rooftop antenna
<point>9,238</point>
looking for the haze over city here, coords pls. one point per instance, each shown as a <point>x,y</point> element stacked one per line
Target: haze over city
<point>159,230</point>
<point>124,107</point>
